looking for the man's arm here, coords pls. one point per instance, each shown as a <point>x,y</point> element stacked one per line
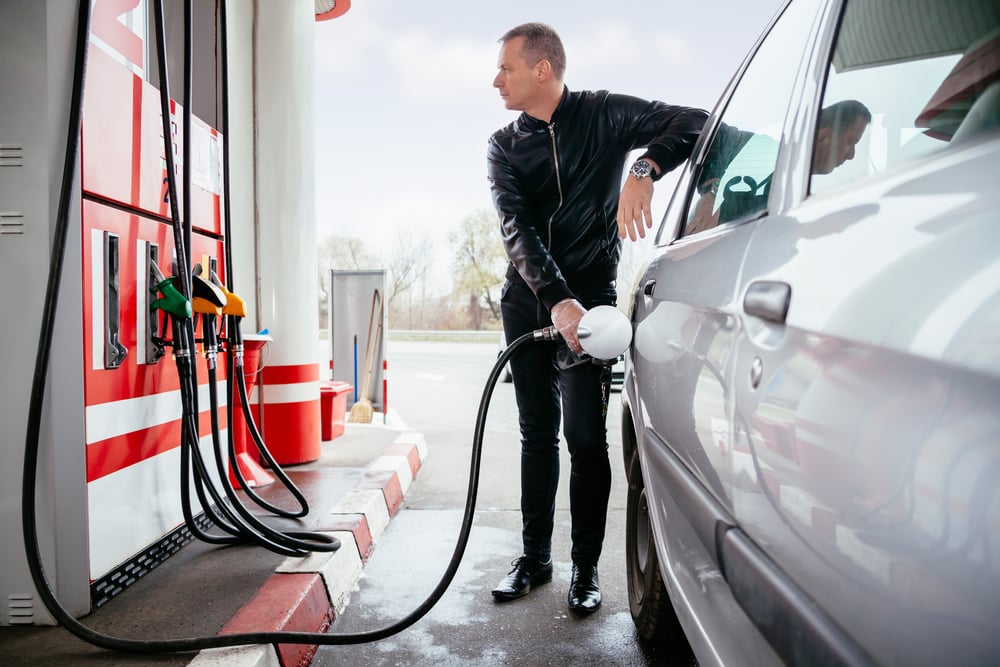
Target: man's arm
<point>522,242</point>
<point>669,134</point>
<point>634,205</point>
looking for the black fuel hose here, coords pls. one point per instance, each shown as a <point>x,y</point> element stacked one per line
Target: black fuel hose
<point>235,378</point>
<point>33,437</point>
<point>236,519</point>
<point>234,356</point>
<point>184,338</point>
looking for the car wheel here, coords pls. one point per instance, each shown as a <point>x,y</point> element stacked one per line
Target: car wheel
<point>648,599</point>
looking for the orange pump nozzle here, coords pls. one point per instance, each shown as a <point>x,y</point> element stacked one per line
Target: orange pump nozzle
<point>205,307</point>
<point>234,305</point>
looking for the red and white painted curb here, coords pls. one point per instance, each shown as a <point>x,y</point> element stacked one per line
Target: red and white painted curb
<point>306,594</point>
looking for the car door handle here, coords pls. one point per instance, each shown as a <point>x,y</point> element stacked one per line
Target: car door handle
<point>647,289</point>
<point>768,300</point>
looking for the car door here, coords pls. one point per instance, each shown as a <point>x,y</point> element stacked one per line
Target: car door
<point>867,372</point>
<point>687,296</point>
<point>686,312</point>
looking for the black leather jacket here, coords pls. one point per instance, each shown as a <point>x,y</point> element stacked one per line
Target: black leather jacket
<point>556,185</point>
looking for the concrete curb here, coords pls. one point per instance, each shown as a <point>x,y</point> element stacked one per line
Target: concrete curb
<point>306,594</point>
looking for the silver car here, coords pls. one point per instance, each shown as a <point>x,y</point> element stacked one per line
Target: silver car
<point>811,412</point>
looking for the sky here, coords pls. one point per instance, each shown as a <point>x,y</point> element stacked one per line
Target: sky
<point>405,102</point>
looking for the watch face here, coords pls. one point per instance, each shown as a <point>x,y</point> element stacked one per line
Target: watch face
<point>642,169</point>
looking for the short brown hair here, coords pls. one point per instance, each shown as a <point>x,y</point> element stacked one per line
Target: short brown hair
<point>541,42</point>
<point>844,114</point>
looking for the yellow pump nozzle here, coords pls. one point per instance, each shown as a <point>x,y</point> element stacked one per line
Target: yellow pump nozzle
<point>205,307</point>
<point>234,305</point>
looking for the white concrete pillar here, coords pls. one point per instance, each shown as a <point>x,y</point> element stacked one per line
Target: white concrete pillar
<point>286,224</point>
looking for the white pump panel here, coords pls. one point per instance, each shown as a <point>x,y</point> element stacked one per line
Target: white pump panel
<point>36,70</point>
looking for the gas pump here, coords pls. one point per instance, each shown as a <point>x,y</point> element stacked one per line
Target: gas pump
<point>116,419</point>
<point>113,495</point>
<point>132,391</point>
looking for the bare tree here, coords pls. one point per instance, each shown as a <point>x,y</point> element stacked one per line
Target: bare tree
<point>408,266</point>
<point>479,262</point>
<point>344,253</point>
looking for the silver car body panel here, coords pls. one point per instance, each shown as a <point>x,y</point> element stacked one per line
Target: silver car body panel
<point>825,479</point>
<point>869,447</point>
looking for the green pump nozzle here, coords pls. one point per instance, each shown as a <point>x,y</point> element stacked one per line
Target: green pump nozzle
<point>171,301</point>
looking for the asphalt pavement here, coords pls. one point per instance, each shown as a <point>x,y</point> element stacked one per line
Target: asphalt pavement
<point>440,386</point>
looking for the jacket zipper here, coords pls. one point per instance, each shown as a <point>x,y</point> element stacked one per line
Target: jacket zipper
<point>555,158</point>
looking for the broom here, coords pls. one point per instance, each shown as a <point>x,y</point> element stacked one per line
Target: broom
<point>361,411</point>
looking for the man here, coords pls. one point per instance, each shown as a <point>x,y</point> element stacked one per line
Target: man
<point>554,174</point>
<point>841,126</point>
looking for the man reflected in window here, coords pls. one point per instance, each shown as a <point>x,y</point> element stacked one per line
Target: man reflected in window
<point>841,126</point>
<point>736,179</point>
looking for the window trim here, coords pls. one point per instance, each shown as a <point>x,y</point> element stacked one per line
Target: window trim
<point>795,166</point>
<point>684,184</point>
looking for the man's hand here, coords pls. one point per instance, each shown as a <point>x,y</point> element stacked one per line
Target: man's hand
<point>634,207</point>
<point>566,318</point>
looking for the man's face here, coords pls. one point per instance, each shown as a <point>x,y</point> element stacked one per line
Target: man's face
<point>515,79</point>
<point>835,148</point>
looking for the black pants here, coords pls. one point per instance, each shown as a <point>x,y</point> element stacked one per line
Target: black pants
<point>552,384</point>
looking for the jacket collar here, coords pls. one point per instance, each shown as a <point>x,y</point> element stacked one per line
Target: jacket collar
<point>532,124</point>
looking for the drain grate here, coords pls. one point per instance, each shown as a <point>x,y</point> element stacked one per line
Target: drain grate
<point>105,589</point>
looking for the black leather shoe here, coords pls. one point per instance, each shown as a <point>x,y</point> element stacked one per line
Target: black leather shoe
<point>584,589</point>
<point>527,572</point>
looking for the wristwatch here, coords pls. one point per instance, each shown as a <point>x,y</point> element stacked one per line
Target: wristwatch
<point>641,169</point>
<point>711,186</point>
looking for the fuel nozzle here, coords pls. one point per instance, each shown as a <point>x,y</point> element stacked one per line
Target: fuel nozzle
<point>604,333</point>
<point>206,298</point>
<point>170,301</point>
<point>548,333</point>
<point>234,305</point>
<point>207,301</point>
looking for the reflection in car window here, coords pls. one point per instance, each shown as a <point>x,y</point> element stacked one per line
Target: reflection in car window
<point>927,84</point>
<point>734,179</point>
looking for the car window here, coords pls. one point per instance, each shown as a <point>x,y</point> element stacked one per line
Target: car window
<point>734,179</point>
<point>902,84</point>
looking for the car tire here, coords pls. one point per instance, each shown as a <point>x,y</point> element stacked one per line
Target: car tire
<point>648,598</point>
